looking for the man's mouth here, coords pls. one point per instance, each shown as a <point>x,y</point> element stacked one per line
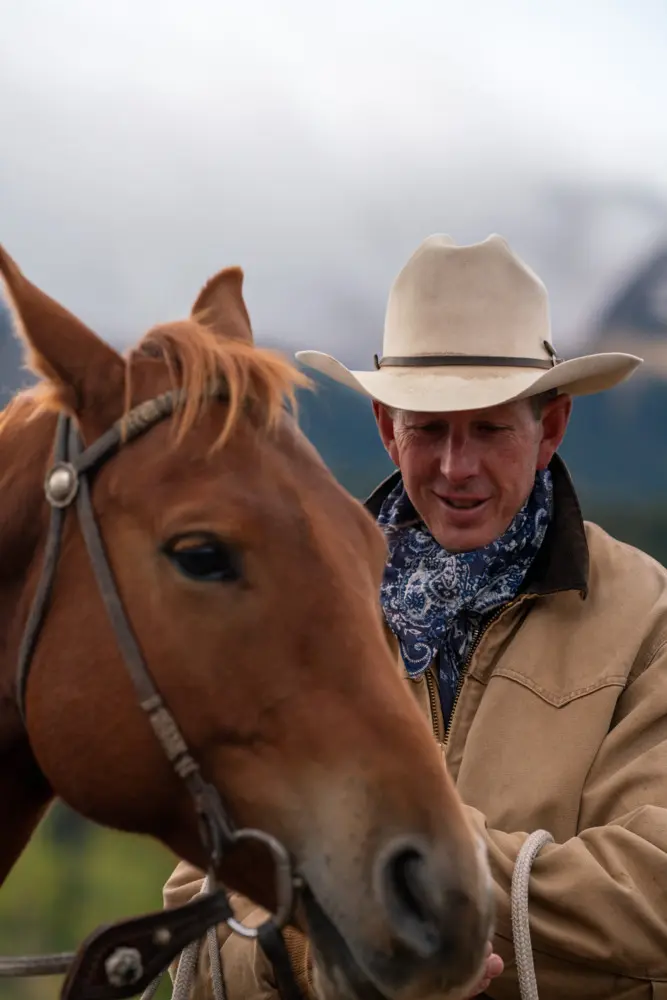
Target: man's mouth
<point>463,503</point>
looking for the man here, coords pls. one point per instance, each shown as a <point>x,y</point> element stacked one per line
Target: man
<point>535,643</point>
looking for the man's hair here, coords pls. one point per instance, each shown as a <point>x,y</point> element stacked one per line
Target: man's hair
<point>538,402</point>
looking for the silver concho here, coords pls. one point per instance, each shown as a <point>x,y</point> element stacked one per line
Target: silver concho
<point>61,484</point>
<point>124,967</point>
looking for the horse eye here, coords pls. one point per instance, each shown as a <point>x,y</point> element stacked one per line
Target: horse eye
<point>205,560</point>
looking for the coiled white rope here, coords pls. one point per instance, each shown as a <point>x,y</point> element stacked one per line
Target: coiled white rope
<point>187,966</point>
<point>523,949</point>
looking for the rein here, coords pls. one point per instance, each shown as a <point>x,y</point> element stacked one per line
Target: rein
<point>121,960</point>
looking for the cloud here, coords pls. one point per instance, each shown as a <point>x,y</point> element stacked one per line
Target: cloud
<point>147,144</point>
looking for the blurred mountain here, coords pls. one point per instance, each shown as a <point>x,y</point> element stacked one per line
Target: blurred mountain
<point>12,377</point>
<point>616,445</point>
<point>635,318</point>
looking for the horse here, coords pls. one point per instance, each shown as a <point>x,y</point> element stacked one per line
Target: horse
<point>248,580</point>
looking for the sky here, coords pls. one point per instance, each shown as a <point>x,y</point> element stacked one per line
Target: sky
<point>147,144</point>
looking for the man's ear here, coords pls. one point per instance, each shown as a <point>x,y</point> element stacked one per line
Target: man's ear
<point>220,306</point>
<point>85,372</point>
<point>385,418</point>
<point>554,419</point>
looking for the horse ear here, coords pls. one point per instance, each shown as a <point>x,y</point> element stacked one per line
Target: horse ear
<point>83,369</point>
<point>220,306</point>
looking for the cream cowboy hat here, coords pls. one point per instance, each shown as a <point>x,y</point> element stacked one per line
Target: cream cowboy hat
<point>468,327</point>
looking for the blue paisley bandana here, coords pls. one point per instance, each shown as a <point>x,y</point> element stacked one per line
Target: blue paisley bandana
<point>435,600</point>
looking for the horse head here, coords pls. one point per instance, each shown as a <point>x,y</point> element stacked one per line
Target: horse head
<point>250,579</point>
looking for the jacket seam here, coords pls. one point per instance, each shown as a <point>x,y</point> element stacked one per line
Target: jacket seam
<point>656,651</point>
<point>612,680</point>
<point>627,684</point>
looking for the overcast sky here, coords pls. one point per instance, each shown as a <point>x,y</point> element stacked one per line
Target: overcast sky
<point>146,144</point>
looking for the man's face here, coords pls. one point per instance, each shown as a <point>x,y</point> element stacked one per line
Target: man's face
<point>468,473</point>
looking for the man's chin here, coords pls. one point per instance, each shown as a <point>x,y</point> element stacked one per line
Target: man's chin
<point>458,540</point>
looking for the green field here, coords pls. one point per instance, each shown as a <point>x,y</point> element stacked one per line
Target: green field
<point>73,877</point>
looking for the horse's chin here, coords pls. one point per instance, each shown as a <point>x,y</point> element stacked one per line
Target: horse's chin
<point>336,974</point>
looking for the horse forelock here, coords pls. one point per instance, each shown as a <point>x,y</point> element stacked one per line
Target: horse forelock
<point>202,363</point>
<point>198,361</point>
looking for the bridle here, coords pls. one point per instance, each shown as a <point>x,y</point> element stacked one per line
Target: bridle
<point>124,959</point>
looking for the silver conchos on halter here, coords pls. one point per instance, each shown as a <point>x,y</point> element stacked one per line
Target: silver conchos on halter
<point>61,484</point>
<point>124,967</point>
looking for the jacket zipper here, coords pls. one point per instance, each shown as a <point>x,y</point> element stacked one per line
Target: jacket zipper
<point>478,635</point>
<point>434,697</point>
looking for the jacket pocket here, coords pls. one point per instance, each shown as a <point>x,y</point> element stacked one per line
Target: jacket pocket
<point>560,696</point>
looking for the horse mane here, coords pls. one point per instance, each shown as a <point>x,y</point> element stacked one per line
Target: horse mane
<point>255,380</point>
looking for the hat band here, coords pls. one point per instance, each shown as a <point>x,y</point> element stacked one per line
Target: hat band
<point>483,360</point>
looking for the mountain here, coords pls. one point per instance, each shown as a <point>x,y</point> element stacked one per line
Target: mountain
<point>616,445</point>
<point>635,316</point>
<point>12,377</point>
<point>341,425</point>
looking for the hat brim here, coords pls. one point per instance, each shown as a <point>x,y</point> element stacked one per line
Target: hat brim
<point>447,389</point>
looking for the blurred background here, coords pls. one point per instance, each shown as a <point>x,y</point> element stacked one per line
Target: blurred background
<point>145,145</point>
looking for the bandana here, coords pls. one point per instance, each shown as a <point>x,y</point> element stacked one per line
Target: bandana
<point>435,601</point>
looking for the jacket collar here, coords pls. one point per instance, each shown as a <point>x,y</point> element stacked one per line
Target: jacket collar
<point>563,560</point>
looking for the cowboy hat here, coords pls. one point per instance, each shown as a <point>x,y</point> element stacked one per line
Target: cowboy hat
<point>468,327</point>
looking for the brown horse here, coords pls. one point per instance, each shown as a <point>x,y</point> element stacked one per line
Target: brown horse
<point>250,578</point>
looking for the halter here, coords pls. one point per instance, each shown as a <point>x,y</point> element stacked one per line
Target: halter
<point>123,959</point>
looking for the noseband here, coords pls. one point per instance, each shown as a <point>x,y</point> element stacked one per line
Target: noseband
<point>122,960</point>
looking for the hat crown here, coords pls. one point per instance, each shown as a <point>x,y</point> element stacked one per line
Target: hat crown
<point>480,299</point>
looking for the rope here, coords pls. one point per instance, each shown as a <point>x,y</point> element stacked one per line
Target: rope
<point>523,949</point>
<point>152,988</point>
<point>187,966</point>
<point>217,976</point>
<point>36,965</point>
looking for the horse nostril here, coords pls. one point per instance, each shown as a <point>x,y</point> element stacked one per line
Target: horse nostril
<point>408,881</point>
<point>410,898</point>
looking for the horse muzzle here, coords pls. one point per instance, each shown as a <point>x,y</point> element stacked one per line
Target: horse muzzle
<point>430,931</point>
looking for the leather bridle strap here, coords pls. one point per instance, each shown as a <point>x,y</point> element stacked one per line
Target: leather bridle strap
<point>67,484</point>
<point>273,945</point>
<point>61,487</point>
<point>216,832</point>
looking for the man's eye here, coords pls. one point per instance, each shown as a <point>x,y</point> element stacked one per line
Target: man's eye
<point>428,428</point>
<point>207,560</point>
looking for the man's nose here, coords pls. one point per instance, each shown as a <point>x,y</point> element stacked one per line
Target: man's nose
<point>458,459</point>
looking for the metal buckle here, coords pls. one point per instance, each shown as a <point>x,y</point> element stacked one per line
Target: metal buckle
<point>551,351</point>
<point>285,882</point>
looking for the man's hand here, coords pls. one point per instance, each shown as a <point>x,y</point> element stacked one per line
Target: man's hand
<point>494,966</point>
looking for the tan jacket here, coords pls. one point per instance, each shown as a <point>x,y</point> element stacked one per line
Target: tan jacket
<point>560,723</point>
